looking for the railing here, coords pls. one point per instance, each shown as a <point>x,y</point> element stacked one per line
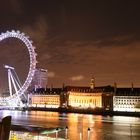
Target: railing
<point>20,132</point>
<point>10,131</point>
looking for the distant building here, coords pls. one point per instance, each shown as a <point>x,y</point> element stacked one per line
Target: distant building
<point>73,96</point>
<point>40,79</point>
<point>91,98</point>
<point>46,98</point>
<point>127,99</point>
<point>84,99</point>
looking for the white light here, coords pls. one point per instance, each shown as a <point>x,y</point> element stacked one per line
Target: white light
<point>32,54</point>
<point>8,67</point>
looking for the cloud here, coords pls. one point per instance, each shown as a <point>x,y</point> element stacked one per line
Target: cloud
<point>38,30</point>
<point>118,40</point>
<point>51,74</point>
<point>77,78</point>
<point>116,61</point>
<point>38,33</point>
<point>45,57</point>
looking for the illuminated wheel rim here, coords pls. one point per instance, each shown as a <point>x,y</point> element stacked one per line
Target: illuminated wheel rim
<point>32,54</point>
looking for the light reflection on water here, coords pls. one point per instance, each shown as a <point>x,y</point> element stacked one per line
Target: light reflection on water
<point>101,127</point>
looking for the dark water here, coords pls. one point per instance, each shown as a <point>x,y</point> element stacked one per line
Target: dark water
<point>101,127</point>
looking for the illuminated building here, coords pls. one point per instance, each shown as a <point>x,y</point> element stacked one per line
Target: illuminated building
<point>127,99</point>
<point>46,98</point>
<point>40,79</point>
<point>92,98</point>
<point>76,97</point>
<point>84,100</point>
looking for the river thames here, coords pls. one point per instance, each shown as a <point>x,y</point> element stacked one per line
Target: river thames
<point>101,127</point>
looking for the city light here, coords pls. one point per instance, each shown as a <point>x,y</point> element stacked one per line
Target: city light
<point>32,54</point>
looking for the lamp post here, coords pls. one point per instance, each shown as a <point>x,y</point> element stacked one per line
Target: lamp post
<point>66,134</point>
<point>56,133</point>
<point>80,136</point>
<point>88,131</point>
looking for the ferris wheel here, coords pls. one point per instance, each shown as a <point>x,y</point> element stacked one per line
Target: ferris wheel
<point>13,97</point>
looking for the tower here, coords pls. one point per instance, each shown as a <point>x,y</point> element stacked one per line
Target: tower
<point>92,83</point>
<point>40,79</point>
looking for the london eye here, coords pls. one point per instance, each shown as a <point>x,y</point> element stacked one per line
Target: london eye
<point>13,98</point>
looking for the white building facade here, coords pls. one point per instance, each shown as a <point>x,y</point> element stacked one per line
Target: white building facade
<point>40,79</point>
<point>127,99</point>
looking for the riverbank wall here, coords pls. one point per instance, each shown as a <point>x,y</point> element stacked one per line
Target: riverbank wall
<point>88,111</point>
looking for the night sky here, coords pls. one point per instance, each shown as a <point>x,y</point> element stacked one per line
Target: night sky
<point>75,40</point>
